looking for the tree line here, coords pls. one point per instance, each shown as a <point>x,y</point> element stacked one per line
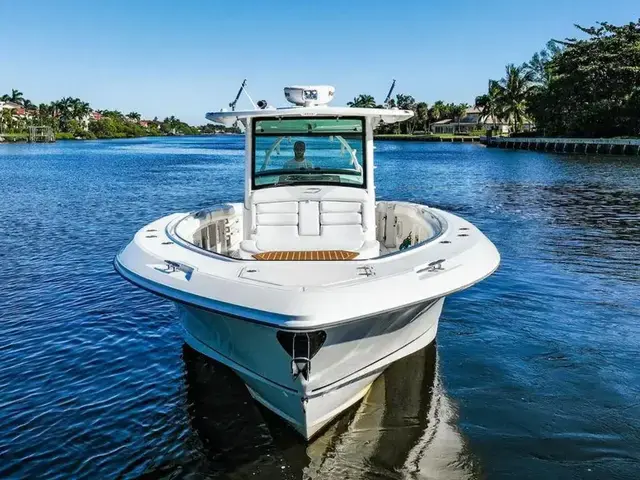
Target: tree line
<point>423,117</point>
<point>574,88</point>
<point>73,118</point>
<point>580,88</point>
<point>588,87</point>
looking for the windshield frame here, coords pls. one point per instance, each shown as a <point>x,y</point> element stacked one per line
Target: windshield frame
<point>255,121</point>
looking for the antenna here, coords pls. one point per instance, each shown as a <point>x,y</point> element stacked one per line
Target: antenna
<point>235,100</point>
<point>233,104</point>
<point>386,100</point>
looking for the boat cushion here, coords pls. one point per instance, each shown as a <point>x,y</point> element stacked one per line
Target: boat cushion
<point>277,207</point>
<point>309,218</point>
<point>346,218</point>
<point>276,237</point>
<point>332,237</point>
<point>349,236</point>
<point>277,219</point>
<point>330,207</point>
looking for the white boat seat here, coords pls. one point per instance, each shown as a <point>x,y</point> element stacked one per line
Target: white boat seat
<point>328,206</point>
<point>309,218</point>
<point>277,219</point>
<point>277,207</point>
<point>346,218</point>
<point>315,224</point>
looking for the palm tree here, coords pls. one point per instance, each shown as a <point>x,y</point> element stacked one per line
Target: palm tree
<point>436,111</point>
<point>406,102</point>
<point>6,119</point>
<point>422,115</point>
<point>514,89</point>
<point>44,114</point>
<point>79,109</point>
<point>170,124</point>
<point>62,112</point>
<point>112,113</point>
<point>459,112</point>
<point>16,96</point>
<point>134,116</point>
<point>489,104</point>
<point>362,101</point>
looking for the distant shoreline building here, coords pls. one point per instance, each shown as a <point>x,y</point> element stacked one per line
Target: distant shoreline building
<point>9,105</point>
<point>18,111</point>
<point>473,120</point>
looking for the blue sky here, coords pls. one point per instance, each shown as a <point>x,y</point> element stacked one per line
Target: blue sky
<point>188,57</point>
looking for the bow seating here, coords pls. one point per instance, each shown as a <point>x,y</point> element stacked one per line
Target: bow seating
<point>310,219</point>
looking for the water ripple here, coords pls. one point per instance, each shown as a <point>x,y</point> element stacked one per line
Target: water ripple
<point>535,371</point>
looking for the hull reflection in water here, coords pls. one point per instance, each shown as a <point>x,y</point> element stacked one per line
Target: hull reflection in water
<point>404,428</point>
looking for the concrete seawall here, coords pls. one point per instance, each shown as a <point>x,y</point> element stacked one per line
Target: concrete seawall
<point>609,146</point>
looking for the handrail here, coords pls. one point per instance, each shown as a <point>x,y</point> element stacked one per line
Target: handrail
<point>352,152</point>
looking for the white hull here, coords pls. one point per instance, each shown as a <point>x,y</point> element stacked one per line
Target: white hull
<point>353,355</point>
<point>360,316</point>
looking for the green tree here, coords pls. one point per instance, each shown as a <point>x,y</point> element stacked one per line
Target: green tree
<point>459,112</point>
<point>6,120</point>
<point>105,128</point>
<point>79,109</point>
<point>489,104</point>
<point>594,85</point>
<point>513,94</point>
<point>362,101</point>
<point>540,62</point>
<point>406,102</point>
<point>437,111</point>
<point>422,115</point>
<point>16,96</point>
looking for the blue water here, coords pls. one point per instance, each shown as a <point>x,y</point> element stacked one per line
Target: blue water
<point>535,373</point>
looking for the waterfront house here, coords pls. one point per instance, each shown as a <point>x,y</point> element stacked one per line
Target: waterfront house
<point>18,112</point>
<point>92,116</point>
<point>474,120</point>
<point>10,106</point>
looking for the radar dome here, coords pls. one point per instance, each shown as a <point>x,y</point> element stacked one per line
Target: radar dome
<point>307,96</point>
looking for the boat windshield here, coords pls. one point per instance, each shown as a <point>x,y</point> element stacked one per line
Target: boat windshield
<point>304,151</point>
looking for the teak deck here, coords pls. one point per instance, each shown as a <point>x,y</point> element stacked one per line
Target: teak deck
<point>309,255</point>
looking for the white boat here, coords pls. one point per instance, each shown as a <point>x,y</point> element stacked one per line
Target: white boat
<point>310,287</point>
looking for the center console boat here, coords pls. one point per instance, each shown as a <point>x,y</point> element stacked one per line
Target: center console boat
<point>310,287</point>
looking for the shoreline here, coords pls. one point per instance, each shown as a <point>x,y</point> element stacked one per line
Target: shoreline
<point>380,137</point>
<point>427,138</point>
<point>9,140</point>
<point>4,140</point>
